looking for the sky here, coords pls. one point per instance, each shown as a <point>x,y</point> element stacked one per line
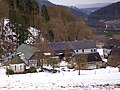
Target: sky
<point>77,2</point>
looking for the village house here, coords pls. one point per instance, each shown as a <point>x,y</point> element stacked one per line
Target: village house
<point>107,48</point>
<point>16,64</point>
<point>25,52</point>
<point>33,53</point>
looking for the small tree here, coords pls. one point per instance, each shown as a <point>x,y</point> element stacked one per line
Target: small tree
<point>81,60</point>
<point>114,60</point>
<point>53,61</point>
<point>41,61</point>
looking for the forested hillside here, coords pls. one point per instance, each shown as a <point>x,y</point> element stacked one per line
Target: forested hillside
<point>110,12</point>
<point>55,23</point>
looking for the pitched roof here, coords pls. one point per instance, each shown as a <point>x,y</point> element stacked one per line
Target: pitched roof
<point>71,45</point>
<point>84,44</point>
<point>27,50</point>
<point>92,57</point>
<point>16,60</point>
<point>37,55</point>
<point>43,47</point>
<point>59,47</point>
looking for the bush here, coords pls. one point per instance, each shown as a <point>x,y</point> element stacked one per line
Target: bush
<point>31,70</point>
<point>9,72</point>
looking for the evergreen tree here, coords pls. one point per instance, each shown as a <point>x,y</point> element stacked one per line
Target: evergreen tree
<point>44,13</point>
<point>20,12</point>
<point>50,35</point>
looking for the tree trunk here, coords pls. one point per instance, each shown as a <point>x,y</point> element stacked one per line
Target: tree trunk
<point>79,70</point>
<point>119,68</point>
<point>53,67</point>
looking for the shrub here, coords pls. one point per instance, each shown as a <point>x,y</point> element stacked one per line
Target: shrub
<point>9,72</point>
<point>31,70</point>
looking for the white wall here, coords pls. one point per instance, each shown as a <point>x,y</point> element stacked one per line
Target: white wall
<point>17,67</point>
<point>91,66</point>
<point>86,51</point>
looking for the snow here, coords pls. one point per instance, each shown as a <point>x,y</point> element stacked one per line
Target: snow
<point>7,28</point>
<point>99,79</point>
<point>100,51</point>
<point>34,31</point>
<point>63,63</point>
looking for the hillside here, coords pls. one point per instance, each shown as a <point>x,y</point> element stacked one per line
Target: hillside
<point>89,10</point>
<point>110,12</point>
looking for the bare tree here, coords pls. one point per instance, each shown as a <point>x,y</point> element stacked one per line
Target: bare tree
<point>81,61</point>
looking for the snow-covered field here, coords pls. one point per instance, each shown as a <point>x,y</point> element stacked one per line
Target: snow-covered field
<point>100,79</point>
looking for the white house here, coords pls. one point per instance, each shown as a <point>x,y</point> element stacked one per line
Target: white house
<point>83,46</point>
<point>17,65</point>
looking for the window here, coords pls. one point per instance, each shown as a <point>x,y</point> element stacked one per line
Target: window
<point>15,67</point>
<point>82,50</point>
<point>91,50</point>
<point>76,50</point>
<point>20,67</point>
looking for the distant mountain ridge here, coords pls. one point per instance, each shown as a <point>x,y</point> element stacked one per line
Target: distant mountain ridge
<point>74,10</point>
<point>95,5</point>
<point>89,10</point>
<point>110,12</point>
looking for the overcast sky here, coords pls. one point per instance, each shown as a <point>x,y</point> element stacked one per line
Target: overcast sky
<point>76,2</point>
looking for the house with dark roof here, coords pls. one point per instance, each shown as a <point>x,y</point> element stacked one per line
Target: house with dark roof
<point>74,47</point>
<point>36,59</point>
<point>16,64</point>
<point>107,48</point>
<point>94,61</point>
<point>84,46</point>
<point>87,47</point>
